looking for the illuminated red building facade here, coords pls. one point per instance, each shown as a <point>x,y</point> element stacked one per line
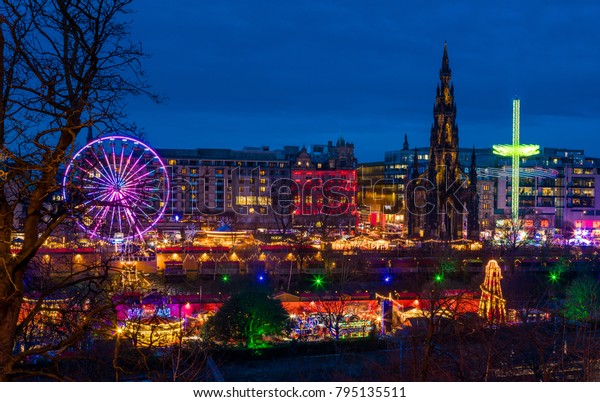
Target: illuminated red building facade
<point>325,187</point>
<point>263,188</point>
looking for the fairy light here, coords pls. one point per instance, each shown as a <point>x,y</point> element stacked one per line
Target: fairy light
<point>492,305</point>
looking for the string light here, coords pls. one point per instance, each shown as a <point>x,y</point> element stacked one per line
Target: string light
<point>492,306</point>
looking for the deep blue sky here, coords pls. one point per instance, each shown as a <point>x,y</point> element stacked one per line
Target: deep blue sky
<point>251,73</point>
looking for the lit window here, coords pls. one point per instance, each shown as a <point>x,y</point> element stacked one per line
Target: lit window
<point>172,162</point>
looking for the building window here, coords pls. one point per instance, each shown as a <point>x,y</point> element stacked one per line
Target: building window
<point>172,162</point>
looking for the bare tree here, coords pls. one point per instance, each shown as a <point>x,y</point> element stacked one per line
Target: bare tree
<point>61,314</point>
<point>332,314</point>
<point>513,235</point>
<point>158,345</point>
<point>65,65</point>
<point>443,304</point>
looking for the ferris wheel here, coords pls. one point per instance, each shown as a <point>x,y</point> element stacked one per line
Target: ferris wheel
<point>117,187</point>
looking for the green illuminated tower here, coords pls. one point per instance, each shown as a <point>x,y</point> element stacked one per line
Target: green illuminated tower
<point>516,151</point>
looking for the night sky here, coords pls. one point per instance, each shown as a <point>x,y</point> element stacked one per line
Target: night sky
<point>252,73</point>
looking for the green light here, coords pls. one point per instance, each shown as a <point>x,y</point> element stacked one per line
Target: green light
<point>516,151</point>
<point>521,150</point>
<point>438,278</point>
<point>225,278</point>
<point>554,276</point>
<point>318,281</point>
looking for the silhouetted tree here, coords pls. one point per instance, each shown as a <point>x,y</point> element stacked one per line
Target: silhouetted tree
<point>65,65</point>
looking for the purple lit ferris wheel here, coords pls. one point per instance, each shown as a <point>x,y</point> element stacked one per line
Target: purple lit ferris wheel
<point>117,188</point>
